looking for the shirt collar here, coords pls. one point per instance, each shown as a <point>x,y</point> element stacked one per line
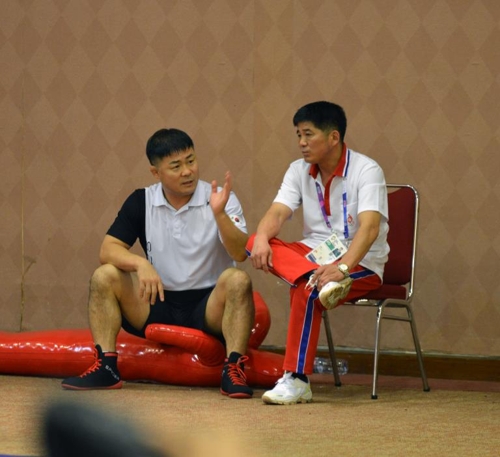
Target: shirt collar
<point>197,199</point>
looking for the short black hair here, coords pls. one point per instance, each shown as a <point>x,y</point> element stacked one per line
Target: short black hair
<point>325,116</point>
<point>166,142</point>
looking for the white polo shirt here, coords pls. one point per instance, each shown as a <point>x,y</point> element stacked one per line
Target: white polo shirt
<point>363,182</point>
<point>184,245</point>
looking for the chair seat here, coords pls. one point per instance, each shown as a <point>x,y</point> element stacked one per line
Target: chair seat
<point>386,291</point>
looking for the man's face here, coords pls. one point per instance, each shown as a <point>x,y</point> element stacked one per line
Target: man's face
<point>315,144</point>
<point>178,174</point>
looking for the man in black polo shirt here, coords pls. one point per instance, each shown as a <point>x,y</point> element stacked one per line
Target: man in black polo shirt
<point>192,233</point>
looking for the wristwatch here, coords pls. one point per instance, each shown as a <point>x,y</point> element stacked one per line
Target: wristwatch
<point>344,269</point>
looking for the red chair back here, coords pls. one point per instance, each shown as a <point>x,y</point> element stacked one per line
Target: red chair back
<point>402,220</point>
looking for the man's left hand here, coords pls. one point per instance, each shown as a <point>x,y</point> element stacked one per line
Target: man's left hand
<point>218,199</point>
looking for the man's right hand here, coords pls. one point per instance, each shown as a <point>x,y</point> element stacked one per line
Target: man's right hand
<point>262,254</point>
<point>150,285</point>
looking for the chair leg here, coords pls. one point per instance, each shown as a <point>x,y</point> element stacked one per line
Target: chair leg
<point>418,349</point>
<point>376,355</point>
<point>331,348</point>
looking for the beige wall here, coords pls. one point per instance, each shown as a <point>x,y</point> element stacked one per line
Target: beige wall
<point>83,84</point>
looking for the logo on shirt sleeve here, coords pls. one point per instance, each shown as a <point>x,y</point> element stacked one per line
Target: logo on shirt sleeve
<point>236,220</point>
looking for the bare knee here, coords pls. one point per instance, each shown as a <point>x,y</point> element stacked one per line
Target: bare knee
<point>104,278</point>
<point>237,280</point>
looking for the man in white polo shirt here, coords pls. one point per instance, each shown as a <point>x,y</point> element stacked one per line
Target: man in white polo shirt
<point>192,232</point>
<point>344,199</point>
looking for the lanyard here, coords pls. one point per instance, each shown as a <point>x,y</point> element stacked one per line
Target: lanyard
<point>321,200</point>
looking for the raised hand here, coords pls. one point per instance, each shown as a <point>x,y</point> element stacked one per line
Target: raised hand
<point>218,199</point>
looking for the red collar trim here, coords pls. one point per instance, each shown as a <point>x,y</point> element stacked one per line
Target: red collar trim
<point>340,169</point>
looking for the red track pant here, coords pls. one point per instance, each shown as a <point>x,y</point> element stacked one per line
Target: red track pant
<point>290,264</point>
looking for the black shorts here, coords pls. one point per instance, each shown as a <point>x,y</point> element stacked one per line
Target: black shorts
<point>183,308</point>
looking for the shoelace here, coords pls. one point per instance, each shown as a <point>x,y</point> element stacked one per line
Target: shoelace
<point>97,364</point>
<point>235,373</point>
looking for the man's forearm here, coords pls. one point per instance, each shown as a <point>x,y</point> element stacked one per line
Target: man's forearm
<point>120,257</point>
<point>359,247</point>
<point>233,239</point>
<point>270,225</point>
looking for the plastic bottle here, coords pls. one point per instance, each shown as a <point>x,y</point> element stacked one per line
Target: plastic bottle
<point>324,365</point>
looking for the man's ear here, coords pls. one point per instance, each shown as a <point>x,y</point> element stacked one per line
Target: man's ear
<point>154,172</point>
<point>334,137</point>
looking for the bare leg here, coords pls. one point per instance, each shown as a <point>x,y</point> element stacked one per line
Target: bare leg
<point>230,309</point>
<point>113,292</point>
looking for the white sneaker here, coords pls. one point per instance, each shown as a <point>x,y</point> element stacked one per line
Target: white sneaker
<point>288,391</point>
<point>332,292</point>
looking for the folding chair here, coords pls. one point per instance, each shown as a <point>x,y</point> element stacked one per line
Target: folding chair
<point>399,276</point>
